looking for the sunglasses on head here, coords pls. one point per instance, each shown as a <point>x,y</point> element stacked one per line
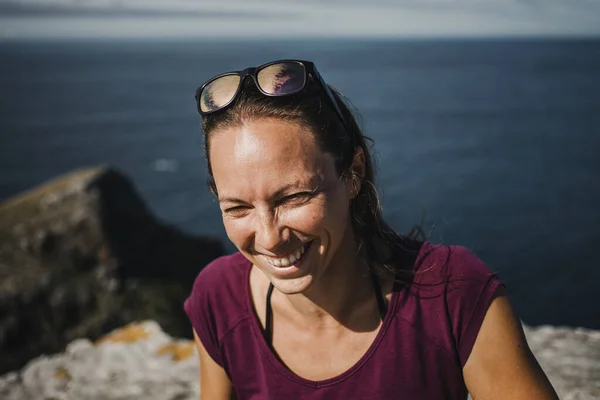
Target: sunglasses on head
<point>274,79</point>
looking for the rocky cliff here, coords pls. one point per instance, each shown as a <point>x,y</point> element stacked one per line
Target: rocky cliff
<point>82,255</point>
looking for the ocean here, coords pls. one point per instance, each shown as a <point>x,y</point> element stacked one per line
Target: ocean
<point>493,144</point>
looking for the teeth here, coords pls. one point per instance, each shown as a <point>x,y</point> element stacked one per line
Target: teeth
<point>286,261</point>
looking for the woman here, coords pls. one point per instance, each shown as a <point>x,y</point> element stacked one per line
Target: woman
<point>324,300</point>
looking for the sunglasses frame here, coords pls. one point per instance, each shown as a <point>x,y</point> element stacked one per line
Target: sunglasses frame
<point>310,70</point>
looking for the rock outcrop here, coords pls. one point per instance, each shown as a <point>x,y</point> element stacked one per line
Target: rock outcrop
<point>571,359</point>
<point>139,361</point>
<point>81,256</point>
<point>136,362</point>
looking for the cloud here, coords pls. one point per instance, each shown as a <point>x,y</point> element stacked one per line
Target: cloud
<point>288,19</point>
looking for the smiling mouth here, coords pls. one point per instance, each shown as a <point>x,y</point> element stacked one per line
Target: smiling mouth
<point>292,258</point>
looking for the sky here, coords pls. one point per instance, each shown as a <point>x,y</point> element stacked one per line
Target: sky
<point>50,19</point>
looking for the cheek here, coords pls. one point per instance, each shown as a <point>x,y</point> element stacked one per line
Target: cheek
<point>238,230</point>
<point>308,219</point>
<point>325,214</point>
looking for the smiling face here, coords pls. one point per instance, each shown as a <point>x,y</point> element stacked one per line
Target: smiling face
<point>284,205</point>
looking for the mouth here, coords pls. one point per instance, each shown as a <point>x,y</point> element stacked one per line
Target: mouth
<point>291,259</point>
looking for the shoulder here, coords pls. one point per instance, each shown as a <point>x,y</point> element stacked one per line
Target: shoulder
<point>458,287</point>
<point>222,273</point>
<point>218,293</point>
<point>443,264</point>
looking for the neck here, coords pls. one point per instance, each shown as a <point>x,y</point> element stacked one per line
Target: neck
<point>343,292</point>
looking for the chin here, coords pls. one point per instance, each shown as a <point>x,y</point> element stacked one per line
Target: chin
<point>292,285</point>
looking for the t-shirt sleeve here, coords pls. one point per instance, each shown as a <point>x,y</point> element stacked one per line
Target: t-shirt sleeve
<point>199,309</point>
<point>471,288</point>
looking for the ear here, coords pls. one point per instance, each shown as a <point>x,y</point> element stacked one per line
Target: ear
<point>356,173</point>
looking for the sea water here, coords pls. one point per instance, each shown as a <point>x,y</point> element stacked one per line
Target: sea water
<point>496,144</point>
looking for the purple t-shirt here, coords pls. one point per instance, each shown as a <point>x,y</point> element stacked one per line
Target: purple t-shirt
<point>426,337</point>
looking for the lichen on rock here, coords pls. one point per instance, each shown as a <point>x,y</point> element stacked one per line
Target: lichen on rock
<point>134,362</point>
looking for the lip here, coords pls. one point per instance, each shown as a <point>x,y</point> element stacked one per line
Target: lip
<point>281,272</point>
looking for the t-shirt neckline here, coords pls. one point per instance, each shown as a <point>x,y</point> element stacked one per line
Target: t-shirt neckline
<point>278,364</point>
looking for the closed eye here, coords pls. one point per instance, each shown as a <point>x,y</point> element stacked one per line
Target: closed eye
<point>235,209</point>
<point>296,197</point>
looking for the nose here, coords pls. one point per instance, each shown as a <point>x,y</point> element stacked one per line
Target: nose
<point>269,234</point>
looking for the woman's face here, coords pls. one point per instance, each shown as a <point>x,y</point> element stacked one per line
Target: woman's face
<point>283,203</point>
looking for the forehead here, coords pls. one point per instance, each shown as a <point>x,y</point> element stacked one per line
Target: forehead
<point>262,156</point>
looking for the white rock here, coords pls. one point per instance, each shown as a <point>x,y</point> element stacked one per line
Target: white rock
<point>136,362</point>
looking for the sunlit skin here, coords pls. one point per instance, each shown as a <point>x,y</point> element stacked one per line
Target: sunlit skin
<point>277,190</point>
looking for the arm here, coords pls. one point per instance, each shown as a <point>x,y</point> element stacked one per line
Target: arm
<point>501,365</point>
<point>214,382</point>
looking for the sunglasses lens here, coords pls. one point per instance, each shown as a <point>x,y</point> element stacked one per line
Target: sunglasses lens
<point>218,93</point>
<point>282,78</point>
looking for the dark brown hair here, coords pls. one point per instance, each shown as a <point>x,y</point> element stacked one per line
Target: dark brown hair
<point>381,246</point>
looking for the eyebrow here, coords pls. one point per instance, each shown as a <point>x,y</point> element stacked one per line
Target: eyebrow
<point>315,181</point>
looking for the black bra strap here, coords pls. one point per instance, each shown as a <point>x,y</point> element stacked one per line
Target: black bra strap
<point>268,316</point>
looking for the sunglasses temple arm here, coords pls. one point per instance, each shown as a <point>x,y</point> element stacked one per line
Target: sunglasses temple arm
<point>325,87</point>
